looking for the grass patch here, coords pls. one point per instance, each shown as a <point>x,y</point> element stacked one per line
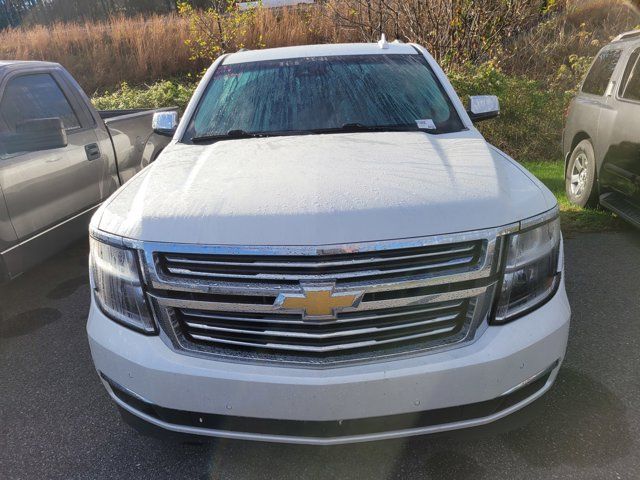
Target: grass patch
<point>574,219</point>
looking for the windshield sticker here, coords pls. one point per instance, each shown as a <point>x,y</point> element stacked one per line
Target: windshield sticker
<point>426,124</point>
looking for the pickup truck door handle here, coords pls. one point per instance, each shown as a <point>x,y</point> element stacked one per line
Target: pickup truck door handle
<point>93,151</point>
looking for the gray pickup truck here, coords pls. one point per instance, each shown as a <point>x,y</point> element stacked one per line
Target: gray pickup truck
<point>59,160</point>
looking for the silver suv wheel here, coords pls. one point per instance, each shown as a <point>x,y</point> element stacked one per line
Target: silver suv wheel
<point>579,174</point>
<point>580,178</point>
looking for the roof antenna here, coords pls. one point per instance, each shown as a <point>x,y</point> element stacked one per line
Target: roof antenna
<point>383,42</point>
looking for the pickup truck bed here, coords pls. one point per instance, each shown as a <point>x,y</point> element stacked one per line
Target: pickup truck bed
<point>134,143</point>
<point>60,159</point>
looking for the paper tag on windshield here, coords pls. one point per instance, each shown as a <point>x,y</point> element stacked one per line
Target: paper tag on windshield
<point>426,124</point>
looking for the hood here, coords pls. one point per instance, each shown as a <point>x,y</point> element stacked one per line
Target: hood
<point>323,189</point>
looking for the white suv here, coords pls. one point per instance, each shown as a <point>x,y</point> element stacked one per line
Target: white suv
<point>327,252</point>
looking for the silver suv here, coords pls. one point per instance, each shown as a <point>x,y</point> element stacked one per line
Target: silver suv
<point>601,140</point>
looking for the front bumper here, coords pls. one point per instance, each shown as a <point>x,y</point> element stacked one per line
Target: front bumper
<point>506,368</point>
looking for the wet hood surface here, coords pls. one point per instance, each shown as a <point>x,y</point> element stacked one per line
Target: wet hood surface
<point>323,189</point>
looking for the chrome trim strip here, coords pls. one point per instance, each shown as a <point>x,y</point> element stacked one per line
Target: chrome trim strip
<point>425,299</point>
<point>178,259</point>
<point>364,306</point>
<point>50,229</point>
<point>339,321</point>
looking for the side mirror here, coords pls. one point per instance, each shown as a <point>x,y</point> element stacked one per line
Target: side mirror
<point>483,107</point>
<point>37,134</point>
<point>165,123</point>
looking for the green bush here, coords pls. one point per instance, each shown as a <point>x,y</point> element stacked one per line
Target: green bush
<point>164,93</point>
<point>531,114</point>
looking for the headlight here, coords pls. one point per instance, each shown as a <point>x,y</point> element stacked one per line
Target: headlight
<point>532,270</point>
<point>115,280</point>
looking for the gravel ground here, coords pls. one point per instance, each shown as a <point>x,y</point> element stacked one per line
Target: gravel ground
<point>56,420</point>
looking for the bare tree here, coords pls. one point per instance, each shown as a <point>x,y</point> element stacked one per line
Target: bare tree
<point>453,30</point>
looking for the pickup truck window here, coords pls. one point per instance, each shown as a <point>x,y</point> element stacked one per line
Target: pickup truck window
<point>36,96</point>
<point>598,77</point>
<point>322,95</point>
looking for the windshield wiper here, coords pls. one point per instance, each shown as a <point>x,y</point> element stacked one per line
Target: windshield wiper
<point>359,127</point>
<point>345,128</point>
<point>230,135</point>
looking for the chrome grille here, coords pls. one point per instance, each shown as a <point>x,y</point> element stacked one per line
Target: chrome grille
<point>414,295</point>
<point>342,267</point>
<point>355,330</point>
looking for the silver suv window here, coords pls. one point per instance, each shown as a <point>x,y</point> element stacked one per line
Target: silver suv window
<point>630,85</point>
<point>598,77</point>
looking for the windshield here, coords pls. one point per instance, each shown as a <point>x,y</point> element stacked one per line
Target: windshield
<point>322,94</point>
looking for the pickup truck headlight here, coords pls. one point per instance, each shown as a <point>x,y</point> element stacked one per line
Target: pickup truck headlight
<point>532,270</point>
<point>115,280</point>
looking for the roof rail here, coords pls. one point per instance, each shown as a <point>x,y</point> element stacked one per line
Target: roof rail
<point>627,35</point>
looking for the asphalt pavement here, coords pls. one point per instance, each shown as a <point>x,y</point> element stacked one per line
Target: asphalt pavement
<point>56,420</point>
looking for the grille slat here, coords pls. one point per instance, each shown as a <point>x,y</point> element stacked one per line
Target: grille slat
<point>321,349</point>
<point>318,336</point>
<point>311,275</point>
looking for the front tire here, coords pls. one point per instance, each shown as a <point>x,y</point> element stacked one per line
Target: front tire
<point>580,177</point>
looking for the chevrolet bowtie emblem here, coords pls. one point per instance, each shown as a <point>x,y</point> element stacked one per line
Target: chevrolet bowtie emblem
<point>318,301</point>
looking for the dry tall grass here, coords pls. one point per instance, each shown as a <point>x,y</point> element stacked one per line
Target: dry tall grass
<point>139,50</point>
<point>575,36</point>
<point>142,50</point>
<point>102,55</point>
<point>295,26</point>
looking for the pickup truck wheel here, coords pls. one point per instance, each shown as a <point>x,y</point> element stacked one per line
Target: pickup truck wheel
<point>580,177</point>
